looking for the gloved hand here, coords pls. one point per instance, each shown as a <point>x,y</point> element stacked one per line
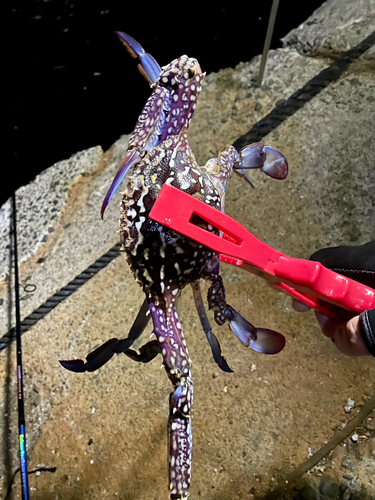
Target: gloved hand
<point>353,336</point>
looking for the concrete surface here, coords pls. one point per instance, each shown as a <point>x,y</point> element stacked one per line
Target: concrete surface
<point>106,431</point>
<point>333,28</point>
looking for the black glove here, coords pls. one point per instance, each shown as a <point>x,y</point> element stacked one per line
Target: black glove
<point>358,263</point>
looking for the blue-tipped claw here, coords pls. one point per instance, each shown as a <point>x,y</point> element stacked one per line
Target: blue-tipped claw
<point>268,159</point>
<point>252,156</point>
<point>259,339</point>
<point>243,329</point>
<point>268,341</point>
<point>131,158</point>
<point>147,64</point>
<point>275,165</point>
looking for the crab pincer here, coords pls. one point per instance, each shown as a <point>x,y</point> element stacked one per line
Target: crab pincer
<point>261,340</point>
<point>267,159</point>
<point>102,354</point>
<point>149,68</point>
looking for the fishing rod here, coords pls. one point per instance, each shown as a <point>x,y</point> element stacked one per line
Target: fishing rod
<point>21,408</point>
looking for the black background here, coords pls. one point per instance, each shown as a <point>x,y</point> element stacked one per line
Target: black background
<point>72,85</point>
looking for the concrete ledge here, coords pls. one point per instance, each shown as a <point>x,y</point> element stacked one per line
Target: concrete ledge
<point>334,28</point>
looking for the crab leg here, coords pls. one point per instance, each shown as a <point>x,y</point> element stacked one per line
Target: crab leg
<point>177,365</point>
<point>259,339</point>
<point>100,356</point>
<point>151,121</point>
<point>146,354</point>
<point>144,138</point>
<point>212,340</point>
<point>131,158</point>
<point>216,293</point>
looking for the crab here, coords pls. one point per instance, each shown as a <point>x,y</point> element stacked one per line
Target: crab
<point>163,262</point>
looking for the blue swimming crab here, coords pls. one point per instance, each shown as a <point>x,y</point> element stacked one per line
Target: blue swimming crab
<point>164,262</point>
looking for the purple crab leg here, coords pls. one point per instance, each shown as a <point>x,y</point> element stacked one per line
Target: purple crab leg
<point>177,365</point>
<point>131,158</point>
<point>94,360</point>
<point>268,159</point>
<point>212,340</point>
<point>259,339</point>
<point>243,329</point>
<point>149,68</point>
<point>144,138</point>
<point>141,321</point>
<point>146,354</point>
<point>100,356</point>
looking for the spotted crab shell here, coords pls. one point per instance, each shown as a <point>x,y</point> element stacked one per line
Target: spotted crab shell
<point>162,260</point>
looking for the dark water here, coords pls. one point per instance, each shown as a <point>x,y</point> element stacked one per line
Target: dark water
<point>73,85</point>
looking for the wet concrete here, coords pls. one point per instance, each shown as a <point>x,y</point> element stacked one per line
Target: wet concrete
<point>106,431</point>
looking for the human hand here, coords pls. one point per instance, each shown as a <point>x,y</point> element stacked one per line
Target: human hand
<point>353,336</point>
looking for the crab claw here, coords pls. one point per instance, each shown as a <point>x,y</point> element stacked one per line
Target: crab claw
<point>212,340</point>
<point>131,158</point>
<point>275,165</point>
<point>149,68</point>
<point>268,341</point>
<point>259,339</point>
<point>244,331</point>
<point>268,159</point>
<point>252,156</point>
<point>94,360</point>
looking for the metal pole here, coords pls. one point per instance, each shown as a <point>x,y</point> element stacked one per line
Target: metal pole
<point>267,42</point>
<point>21,409</point>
